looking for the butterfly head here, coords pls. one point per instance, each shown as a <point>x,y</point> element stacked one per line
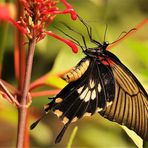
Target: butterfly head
<point>96,51</point>
<point>105,44</point>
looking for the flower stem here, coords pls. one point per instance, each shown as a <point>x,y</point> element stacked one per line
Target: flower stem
<point>23,102</point>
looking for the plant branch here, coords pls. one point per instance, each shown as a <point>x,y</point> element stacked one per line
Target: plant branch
<point>42,80</point>
<point>23,102</point>
<point>10,87</point>
<point>13,100</point>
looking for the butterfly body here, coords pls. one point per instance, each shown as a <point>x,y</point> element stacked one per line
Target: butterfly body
<point>78,71</point>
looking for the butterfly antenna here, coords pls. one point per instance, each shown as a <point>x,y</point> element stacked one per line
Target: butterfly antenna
<point>61,134</point>
<point>122,37</point>
<point>89,31</point>
<point>36,122</point>
<point>105,32</point>
<point>73,39</point>
<point>83,38</point>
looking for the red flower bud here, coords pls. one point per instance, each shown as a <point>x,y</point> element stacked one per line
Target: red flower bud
<point>68,42</point>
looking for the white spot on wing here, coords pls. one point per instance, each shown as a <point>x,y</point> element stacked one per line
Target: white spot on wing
<point>80,89</point>
<point>91,83</point>
<point>82,96</point>
<point>109,103</point>
<point>87,98</point>
<point>99,87</point>
<point>93,95</point>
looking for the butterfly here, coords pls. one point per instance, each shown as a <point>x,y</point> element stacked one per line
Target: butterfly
<point>101,83</point>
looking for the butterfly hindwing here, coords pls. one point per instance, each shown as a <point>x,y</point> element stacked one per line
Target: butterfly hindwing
<point>130,106</point>
<point>90,92</point>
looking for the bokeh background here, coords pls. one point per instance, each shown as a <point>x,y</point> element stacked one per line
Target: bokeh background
<point>52,55</point>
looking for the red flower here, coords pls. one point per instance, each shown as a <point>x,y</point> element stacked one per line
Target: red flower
<point>39,14</point>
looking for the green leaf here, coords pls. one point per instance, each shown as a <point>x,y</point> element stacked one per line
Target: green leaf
<point>97,131</point>
<point>72,136</point>
<point>136,139</point>
<point>8,113</point>
<point>42,134</point>
<point>56,82</point>
<point>65,60</point>
<point>140,49</point>
<point>3,36</point>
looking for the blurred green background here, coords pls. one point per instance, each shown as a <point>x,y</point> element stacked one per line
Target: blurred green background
<point>54,55</point>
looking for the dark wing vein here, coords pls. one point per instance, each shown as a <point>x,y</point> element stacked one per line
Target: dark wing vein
<point>102,84</point>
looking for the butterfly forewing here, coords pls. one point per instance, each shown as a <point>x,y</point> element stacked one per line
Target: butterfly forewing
<point>90,93</point>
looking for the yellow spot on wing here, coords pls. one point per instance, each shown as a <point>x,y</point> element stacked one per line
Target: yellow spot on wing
<point>46,106</point>
<point>58,100</point>
<point>75,119</point>
<point>87,114</point>
<point>109,103</point>
<point>58,112</point>
<point>99,109</point>
<point>65,120</point>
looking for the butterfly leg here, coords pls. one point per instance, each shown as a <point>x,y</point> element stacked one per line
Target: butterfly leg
<point>74,40</point>
<point>89,31</point>
<point>83,38</point>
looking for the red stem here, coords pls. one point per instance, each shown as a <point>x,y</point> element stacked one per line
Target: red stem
<point>23,109</point>
<point>26,133</point>
<point>41,80</point>
<point>45,93</point>
<point>19,52</point>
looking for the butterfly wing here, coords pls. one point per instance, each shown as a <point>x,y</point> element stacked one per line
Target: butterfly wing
<point>90,93</point>
<point>130,106</point>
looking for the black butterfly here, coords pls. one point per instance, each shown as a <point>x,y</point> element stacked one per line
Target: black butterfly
<point>100,83</point>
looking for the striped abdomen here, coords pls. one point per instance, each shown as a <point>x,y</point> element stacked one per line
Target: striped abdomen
<point>77,71</point>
